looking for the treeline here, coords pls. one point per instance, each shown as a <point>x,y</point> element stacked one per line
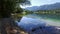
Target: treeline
<point>51,12</point>
<point>27,12</point>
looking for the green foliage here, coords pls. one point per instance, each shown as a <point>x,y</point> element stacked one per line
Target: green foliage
<point>28,12</point>
<point>9,6</point>
<point>49,12</point>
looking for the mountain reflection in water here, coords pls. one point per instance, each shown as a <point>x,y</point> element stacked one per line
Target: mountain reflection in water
<point>33,21</point>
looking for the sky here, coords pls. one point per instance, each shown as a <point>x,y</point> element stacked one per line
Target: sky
<point>40,2</point>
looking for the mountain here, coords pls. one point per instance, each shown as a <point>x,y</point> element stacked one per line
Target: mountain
<point>44,7</point>
<point>34,8</point>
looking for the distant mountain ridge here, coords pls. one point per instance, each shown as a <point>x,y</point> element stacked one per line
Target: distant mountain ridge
<point>44,7</point>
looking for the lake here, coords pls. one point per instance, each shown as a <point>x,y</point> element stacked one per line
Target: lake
<point>34,21</point>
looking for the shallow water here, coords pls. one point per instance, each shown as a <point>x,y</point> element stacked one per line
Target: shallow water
<point>48,19</point>
<point>34,22</point>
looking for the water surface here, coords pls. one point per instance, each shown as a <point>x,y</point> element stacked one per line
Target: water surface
<point>32,21</point>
